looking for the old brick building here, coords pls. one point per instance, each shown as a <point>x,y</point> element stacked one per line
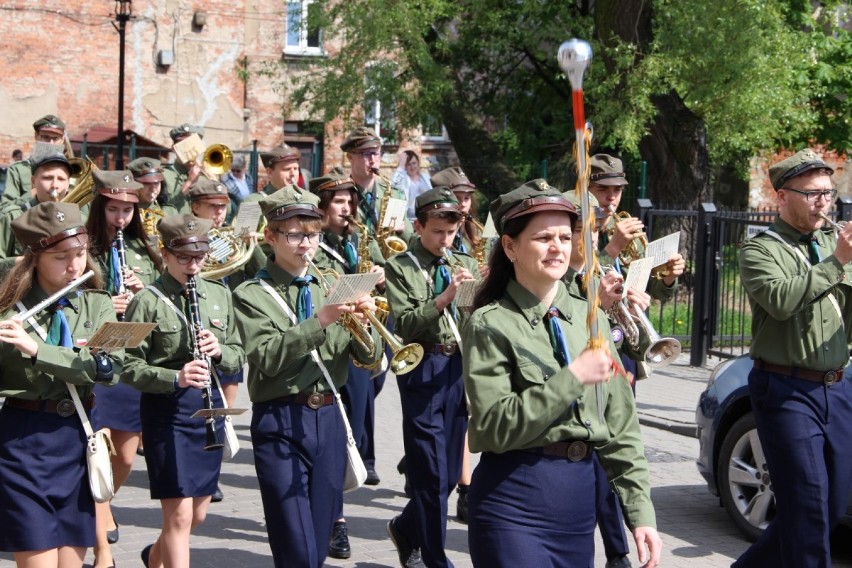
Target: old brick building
<point>199,62</point>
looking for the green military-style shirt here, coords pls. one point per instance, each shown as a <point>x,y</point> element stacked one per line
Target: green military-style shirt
<point>263,250</point>
<point>656,287</point>
<point>331,253</point>
<point>9,246</point>
<point>412,299</point>
<point>379,189</point>
<point>152,366</point>
<point>19,186</point>
<point>794,319</point>
<point>175,176</point>
<point>137,260</point>
<point>521,398</point>
<point>44,377</point>
<point>279,352</point>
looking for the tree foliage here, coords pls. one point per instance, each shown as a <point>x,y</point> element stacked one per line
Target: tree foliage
<point>759,74</point>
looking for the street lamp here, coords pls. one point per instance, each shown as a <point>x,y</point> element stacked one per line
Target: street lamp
<point>123,11</point>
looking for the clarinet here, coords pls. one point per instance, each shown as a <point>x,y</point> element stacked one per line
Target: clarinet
<point>122,264</point>
<point>212,441</point>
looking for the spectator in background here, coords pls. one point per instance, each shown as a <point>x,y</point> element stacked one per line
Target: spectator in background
<point>409,178</point>
<point>239,183</point>
<point>17,155</point>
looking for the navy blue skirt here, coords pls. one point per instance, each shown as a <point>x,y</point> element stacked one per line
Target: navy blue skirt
<point>117,408</point>
<point>527,509</point>
<point>178,464</point>
<point>45,500</point>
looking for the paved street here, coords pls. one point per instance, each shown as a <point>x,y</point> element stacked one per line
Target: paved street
<point>695,530</point>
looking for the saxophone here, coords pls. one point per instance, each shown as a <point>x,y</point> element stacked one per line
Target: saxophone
<point>385,236</point>
<point>364,262</point>
<point>479,247</point>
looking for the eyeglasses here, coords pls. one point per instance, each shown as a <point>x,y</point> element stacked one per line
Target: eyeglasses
<point>298,238</point>
<point>369,155</point>
<point>187,258</point>
<point>813,196</point>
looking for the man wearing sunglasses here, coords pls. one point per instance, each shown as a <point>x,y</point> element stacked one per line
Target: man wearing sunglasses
<point>797,276</point>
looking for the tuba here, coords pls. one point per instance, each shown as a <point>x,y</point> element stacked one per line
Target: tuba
<point>228,253</point>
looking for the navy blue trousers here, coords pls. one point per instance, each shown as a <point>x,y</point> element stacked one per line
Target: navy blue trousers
<point>804,428</point>
<point>527,509</point>
<point>610,517</point>
<point>358,396</point>
<point>300,459</point>
<point>434,422</point>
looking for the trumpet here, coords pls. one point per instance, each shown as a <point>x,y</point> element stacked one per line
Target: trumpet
<point>405,357</point>
<point>662,351</point>
<point>452,260</point>
<point>836,225</point>
<point>217,159</point>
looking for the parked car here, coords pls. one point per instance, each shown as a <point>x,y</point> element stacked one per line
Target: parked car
<point>730,456</point>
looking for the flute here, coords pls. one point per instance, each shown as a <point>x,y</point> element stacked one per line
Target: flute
<point>212,441</point>
<point>54,297</point>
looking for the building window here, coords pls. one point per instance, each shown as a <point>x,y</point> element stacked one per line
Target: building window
<point>433,130</point>
<point>379,105</point>
<point>301,39</point>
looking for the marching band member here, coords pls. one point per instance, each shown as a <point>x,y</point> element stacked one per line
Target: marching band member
<point>181,473</point>
<point>421,289</point>
<point>534,412</point>
<point>149,173</point>
<point>179,177</point>
<point>115,208</point>
<point>297,434</point>
<point>46,507</point>
<point>339,251</point>
<point>49,129</point>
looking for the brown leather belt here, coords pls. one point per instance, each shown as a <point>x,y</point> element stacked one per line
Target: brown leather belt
<point>825,377</point>
<point>64,407</point>
<point>574,451</point>
<point>313,400</point>
<point>446,349</point>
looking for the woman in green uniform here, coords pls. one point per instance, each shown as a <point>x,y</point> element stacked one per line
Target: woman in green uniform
<point>534,389</point>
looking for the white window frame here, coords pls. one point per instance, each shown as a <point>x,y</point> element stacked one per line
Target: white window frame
<point>303,48</point>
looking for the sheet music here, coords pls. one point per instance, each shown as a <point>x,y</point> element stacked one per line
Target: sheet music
<point>248,217</point>
<point>395,213</point>
<point>466,292</point>
<point>490,230</point>
<point>663,249</point>
<point>350,287</point>
<point>638,274</point>
<point>188,149</point>
<point>115,335</point>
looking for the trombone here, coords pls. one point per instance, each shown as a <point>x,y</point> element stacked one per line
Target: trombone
<point>405,357</point>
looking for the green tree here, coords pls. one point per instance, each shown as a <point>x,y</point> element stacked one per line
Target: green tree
<point>687,85</point>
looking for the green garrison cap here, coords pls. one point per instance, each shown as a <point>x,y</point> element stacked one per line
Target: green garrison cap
<point>607,170</point>
<point>454,178</point>
<point>205,188</point>
<point>117,184</point>
<point>435,199</point>
<point>532,197</point>
<point>184,233</point>
<point>288,202</point>
<point>283,153</point>
<point>361,138</point>
<point>797,164</point>
<point>146,170</point>
<point>332,181</point>
<point>49,223</point>
<point>600,212</point>
<point>179,132</point>
<point>50,122</point>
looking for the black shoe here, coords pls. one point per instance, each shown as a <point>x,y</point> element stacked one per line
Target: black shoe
<point>409,557</point>
<point>372,477</point>
<point>461,504</point>
<point>217,495</point>
<point>112,536</point>
<point>338,546</point>
<point>146,552</point>
<point>619,562</point>
<point>140,451</point>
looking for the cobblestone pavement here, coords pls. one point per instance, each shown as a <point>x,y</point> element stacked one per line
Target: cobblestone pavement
<point>696,532</point>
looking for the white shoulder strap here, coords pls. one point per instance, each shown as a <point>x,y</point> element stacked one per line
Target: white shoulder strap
<point>447,315</point>
<point>333,253</point>
<point>168,302</point>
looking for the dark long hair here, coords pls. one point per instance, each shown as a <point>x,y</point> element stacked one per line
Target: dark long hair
<point>325,198</point>
<point>500,269</point>
<point>20,279</point>
<point>99,242</point>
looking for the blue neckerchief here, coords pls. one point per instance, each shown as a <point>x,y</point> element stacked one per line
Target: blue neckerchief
<point>557,338</point>
<point>814,254</point>
<point>59,332</point>
<point>304,307</point>
<point>351,255</point>
<point>114,272</point>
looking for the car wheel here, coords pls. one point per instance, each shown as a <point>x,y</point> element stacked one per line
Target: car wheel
<point>744,483</point>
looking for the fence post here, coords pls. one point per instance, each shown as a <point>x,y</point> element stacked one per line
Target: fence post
<point>844,208</point>
<point>253,167</point>
<point>704,271</point>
